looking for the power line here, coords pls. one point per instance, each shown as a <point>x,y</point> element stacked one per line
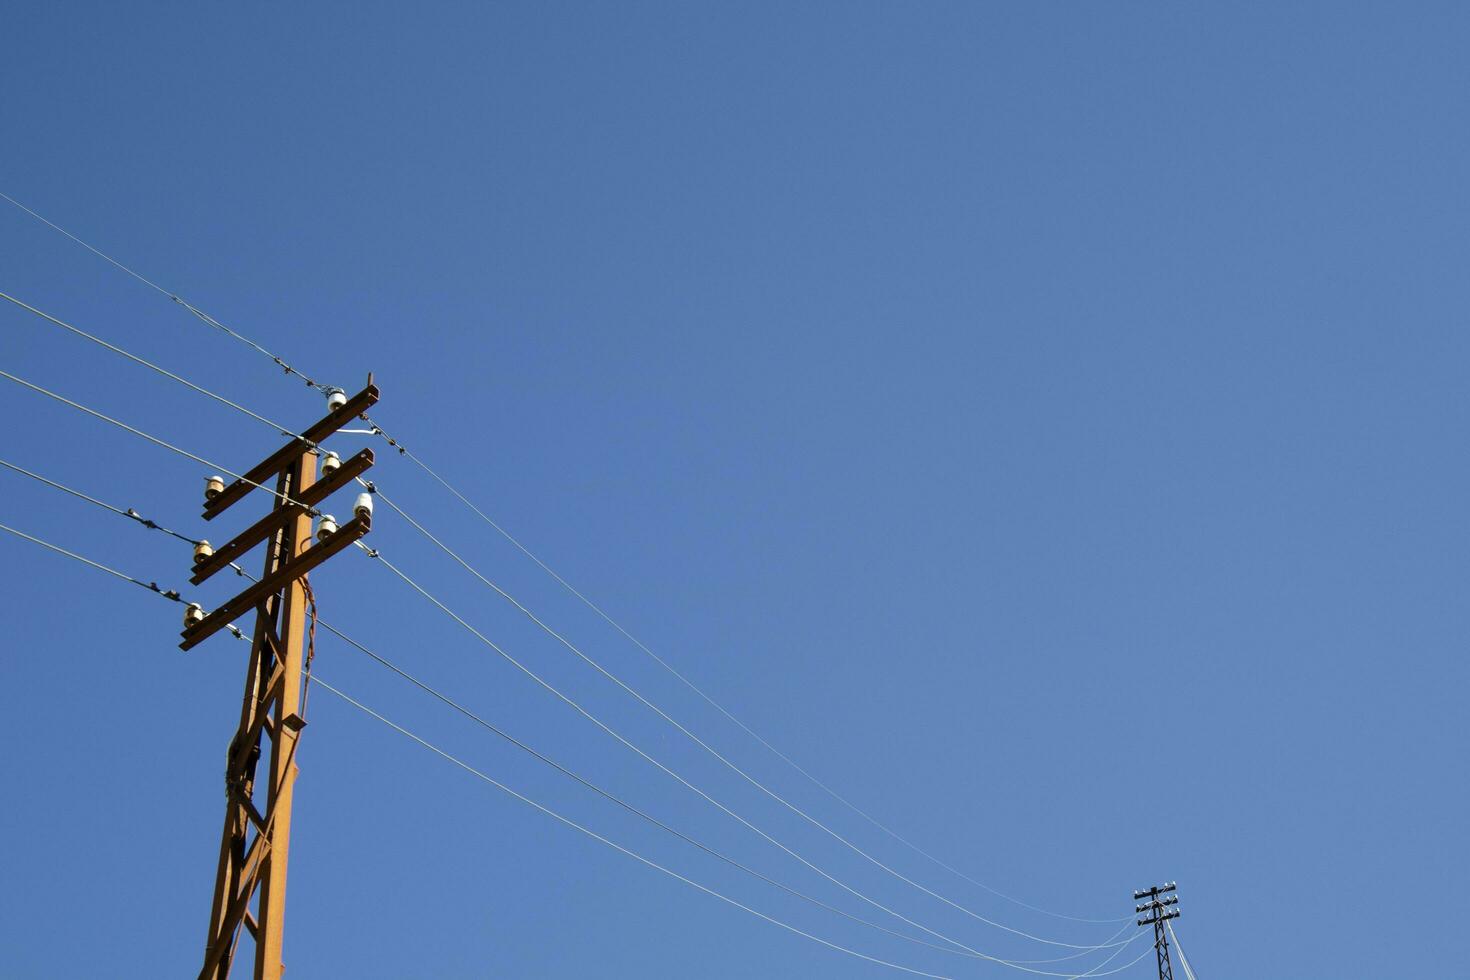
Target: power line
<point>699,741</point>
<point>373,553</point>
<point>518,605</point>
<point>631,808</point>
<point>403,450</point>
<point>477,719</point>
<point>174,596</point>
<point>155,440</point>
<point>204,317</point>
<point>171,594</point>
<point>129,512</point>
<point>716,705</point>
<point>529,673</point>
<point>640,858</point>
<point>526,670</point>
<point>1183,960</point>
<point>287,432</point>
<point>567,821</point>
<point>149,364</point>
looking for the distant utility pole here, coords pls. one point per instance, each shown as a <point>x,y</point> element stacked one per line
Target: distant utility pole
<point>256,840</point>
<point>1157,912</point>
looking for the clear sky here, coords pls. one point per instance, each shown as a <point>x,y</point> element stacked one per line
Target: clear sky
<point>1043,421</point>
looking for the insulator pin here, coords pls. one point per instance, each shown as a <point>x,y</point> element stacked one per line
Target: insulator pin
<point>203,550</point>
<point>331,463</point>
<point>336,398</point>
<point>213,487</point>
<point>364,505</point>
<point>193,615</point>
<point>326,527</point>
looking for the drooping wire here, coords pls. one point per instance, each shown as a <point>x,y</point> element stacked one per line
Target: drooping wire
<point>285,498</point>
<point>1183,960</point>
<point>174,596</point>
<point>129,512</point>
<point>649,818</point>
<point>404,451</point>
<point>515,542</point>
<point>150,365</point>
<point>482,722</point>
<point>733,767</point>
<point>526,611</point>
<point>566,821</point>
<point>530,673</point>
<point>170,594</point>
<point>200,314</point>
<point>576,706</point>
<point>310,643</point>
<point>1098,971</point>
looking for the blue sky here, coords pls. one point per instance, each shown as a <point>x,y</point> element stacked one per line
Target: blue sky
<point>1042,421</point>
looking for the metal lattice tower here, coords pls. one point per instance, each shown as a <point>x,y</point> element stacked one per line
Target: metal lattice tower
<point>1157,911</point>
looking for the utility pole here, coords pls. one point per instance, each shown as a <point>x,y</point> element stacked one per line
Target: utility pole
<point>1157,912</point>
<point>255,844</point>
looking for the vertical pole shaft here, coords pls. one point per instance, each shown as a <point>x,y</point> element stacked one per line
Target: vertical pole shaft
<point>1161,948</point>
<point>240,775</point>
<point>272,918</point>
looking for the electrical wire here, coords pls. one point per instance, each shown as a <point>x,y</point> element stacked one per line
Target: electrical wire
<point>733,767</point>
<point>1013,964</point>
<point>482,722</point>
<point>150,365</point>
<point>1183,960</point>
<point>174,596</point>
<point>404,451</point>
<point>204,317</point>
<point>649,818</point>
<point>171,594</point>
<point>1097,971</point>
<point>567,821</point>
<point>728,714</point>
<point>176,449</point>
<point>156,441</point>
<point>129,513</point>
<point>449,701</point>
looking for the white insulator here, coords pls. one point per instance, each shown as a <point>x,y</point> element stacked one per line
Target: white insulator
<point>213,487</point>
<point>331,463</point>
<point>364,505</point>
<point>326,527</point>
<point>336,398</point>
<point>193,615</point>
<point>202,550</point>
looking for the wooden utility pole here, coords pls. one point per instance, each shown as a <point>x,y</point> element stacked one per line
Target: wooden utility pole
<point>256,841</point>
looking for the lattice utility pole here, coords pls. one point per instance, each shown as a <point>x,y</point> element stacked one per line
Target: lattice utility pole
<point>1158,912</point>
<point>255,843</point>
